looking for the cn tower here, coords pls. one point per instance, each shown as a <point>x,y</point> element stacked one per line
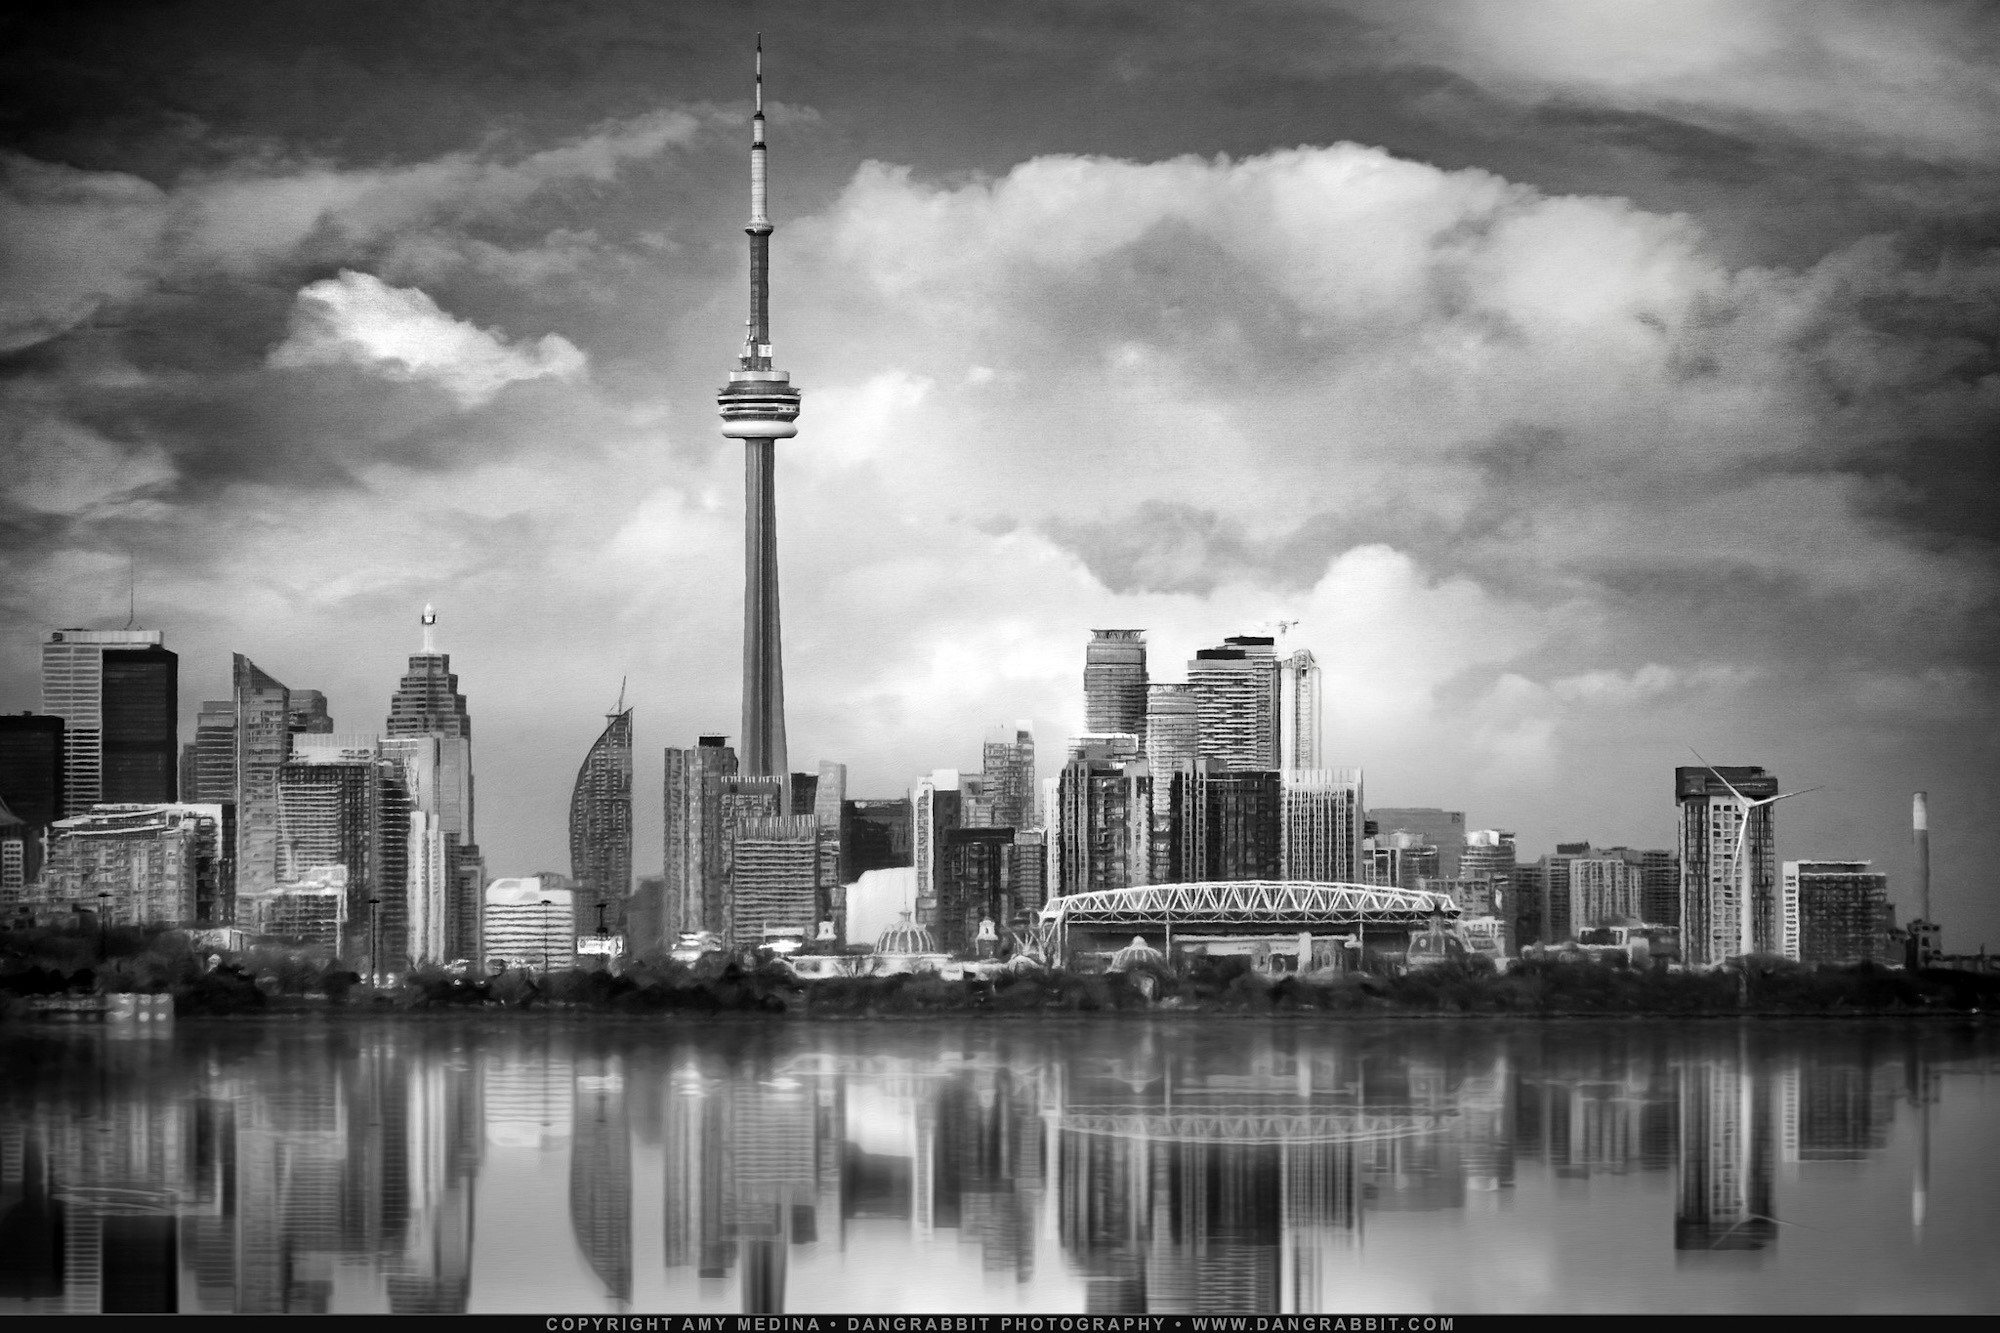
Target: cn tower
<point>758,406</point>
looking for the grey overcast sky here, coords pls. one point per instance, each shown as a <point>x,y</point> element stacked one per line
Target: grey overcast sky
<point>1589,380</point>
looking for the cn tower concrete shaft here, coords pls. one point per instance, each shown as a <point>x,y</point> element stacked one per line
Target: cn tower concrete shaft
<point>763,736</point>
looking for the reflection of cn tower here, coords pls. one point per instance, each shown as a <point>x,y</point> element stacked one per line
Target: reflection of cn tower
<point>1726,1158</point>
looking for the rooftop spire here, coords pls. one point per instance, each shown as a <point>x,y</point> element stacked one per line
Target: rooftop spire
<point>430,620</point>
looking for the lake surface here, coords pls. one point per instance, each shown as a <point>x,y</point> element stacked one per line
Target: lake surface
<point>577,1165</point>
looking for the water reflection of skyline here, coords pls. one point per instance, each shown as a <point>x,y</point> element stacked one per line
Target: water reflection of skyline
<point>1135,1170</point>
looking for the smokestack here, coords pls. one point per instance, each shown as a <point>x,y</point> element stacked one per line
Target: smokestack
<point>1920,832</point>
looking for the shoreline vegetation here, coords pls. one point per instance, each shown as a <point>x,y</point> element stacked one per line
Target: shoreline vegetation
<point>67,962</point>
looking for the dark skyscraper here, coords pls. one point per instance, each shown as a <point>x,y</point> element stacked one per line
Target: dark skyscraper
<point>1114,683</point>
<point>118,693</point>
<point>758,407</point>
<point>31,791</point>
<point>1229,823</point>
<point>600,828</point>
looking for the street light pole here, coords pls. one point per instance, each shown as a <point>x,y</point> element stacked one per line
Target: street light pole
<point>103,926</point>
<point>374,941</point>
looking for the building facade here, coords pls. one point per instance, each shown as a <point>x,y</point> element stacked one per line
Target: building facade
<point>1114,682</point>
<point>1442,829</point>
<point>118,693</point>
<point>1229,823</point>
<point>1323,823</point>
<point>526,924</point>
<point>1008,773</point>
<point>774,878</point>
<point>1835,912</point>
<point>1603,891</point>
<point>428,702</point>
<point>262,738</point>
<point>600,828</point>
<point>1236,703</point>
<point>31,790</point>
<point>1299,711</point>
<point>696,850</point>
<point>1104,816</point>
<point>1717,920</point>
<point>138,865</point>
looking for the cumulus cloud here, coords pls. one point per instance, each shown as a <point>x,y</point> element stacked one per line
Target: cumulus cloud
<point>400,333</point>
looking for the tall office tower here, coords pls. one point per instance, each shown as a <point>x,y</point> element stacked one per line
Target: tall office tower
<point>1229,823</point>
<point>1528,904</point>
<point>427,702</point>
<point>1299,710</point>
<point>695,851</point>
<point>600,828</point>
<point>214,753</point>
<point>829,801</point>
<point>1557,902</point>
<point>1322,825</point>
<point>773,877</point>
<point>758,407</point>
<point>263,741</point>
<point>1834,912</point>
<point>1236,702</point>
<point>1712,820</point>
<point>874,835</point>
<point>1114,682</point>
<point>31,788</point>
<point>975,883</point>
<point>118,694</point>
<point>1603,891</point>
<point>1442,829</point>
<point>936,804</point>
<point>328,803</point>
<point>1173,740</point>
<point>1104,802</point>
<point>1030,870</point>
<point>738,799</point>
<point>1488,855</point>
<point>1008,773</point>
<point>309,715</point>
<point>138,864</point>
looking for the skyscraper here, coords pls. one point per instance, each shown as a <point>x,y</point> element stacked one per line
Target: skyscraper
<point>214,770</point>
<point>31,787</point>
<point>695,851</point>
<point>1236,702</point>
<point>600,828</point>
<point>1322,827</point>
<point>758,407</point>
<point>1008,770</point>
<point>1299,710</point>
<point>1173,739</point>
<point>263,741</point>
<point>1114,682</point>
<point>936,803</point>
<point>427,702</point>
<point>1712,820</point>
<point>118,693</point>
<point>1229,823</point>
<point>1102,834</point>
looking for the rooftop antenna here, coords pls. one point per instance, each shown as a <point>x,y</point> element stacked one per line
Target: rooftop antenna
<point>620,706</point>
<point>131,589</point>
<point>430,620</point>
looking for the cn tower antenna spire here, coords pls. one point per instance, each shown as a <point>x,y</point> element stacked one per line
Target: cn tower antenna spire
<point>759,405</point>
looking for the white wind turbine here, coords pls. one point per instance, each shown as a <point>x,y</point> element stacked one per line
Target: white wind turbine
<point>1746,935</point>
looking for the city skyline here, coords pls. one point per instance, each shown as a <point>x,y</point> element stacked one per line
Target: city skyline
<point>306,377</point>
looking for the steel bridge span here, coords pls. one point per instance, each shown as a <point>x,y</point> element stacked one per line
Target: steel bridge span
<point>1256,904</point>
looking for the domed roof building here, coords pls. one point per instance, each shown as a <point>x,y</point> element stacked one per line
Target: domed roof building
<point>906,936</point>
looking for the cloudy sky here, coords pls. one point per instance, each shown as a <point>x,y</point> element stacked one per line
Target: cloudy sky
<point>1588,379</point>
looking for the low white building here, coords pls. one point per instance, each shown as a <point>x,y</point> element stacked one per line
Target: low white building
<point>527,924</point>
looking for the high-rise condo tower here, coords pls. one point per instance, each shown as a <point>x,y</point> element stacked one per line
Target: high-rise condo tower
<point>758,407</point>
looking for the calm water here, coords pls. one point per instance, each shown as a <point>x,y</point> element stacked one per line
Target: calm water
<point>1174,1166</point>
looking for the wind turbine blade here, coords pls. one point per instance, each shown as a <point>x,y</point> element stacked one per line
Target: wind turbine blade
<point>1718,774</point>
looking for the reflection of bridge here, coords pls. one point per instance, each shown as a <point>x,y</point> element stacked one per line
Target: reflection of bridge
<point>1250,1124</point>
<point>1244,906</point>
